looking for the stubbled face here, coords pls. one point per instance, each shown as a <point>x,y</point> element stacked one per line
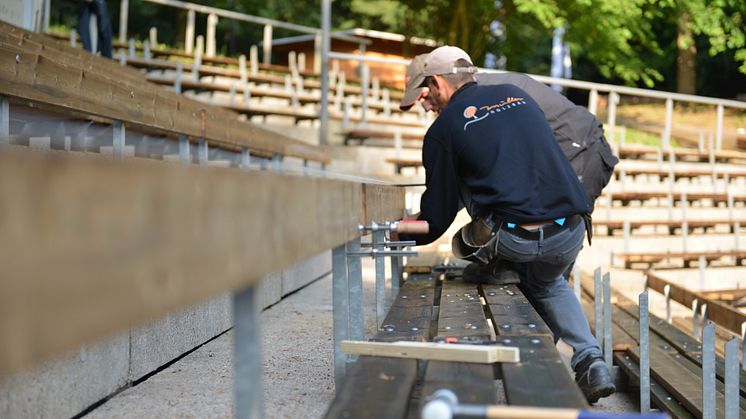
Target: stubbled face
<point>427,101</point>
<point>436,93</point>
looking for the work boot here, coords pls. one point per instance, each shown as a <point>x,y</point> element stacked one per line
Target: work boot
<point>594,379</point>
<point>497,272</point>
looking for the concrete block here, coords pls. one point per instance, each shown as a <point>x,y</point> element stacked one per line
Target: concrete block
<point>306,271</point>
<point>164,340</point>
<point>270,289</point>
<point>68,385</point>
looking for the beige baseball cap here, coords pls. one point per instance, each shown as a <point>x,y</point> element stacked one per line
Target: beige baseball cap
<point>441,61</point>
<point>412,82</point>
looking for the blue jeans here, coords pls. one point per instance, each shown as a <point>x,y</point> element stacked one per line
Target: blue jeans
<point>97,7</point>
<point>541,263</point>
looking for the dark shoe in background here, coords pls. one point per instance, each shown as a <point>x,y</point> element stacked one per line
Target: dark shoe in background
<point>498,272</point>
<point>594,379</point>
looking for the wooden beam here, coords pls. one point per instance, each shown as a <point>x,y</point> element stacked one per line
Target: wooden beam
<point>722,314</point>
<point>381,203</point>
<point>41,77</point>
<point>480,354</point>
<point>90,245</point>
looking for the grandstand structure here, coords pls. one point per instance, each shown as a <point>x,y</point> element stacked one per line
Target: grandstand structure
<point>154,201</point>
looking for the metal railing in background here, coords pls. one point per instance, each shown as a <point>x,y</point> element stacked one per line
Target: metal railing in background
<point>215,13</point>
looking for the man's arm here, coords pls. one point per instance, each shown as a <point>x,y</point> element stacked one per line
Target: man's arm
<point>439,203</point>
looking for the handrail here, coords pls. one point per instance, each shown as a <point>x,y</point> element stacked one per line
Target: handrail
<point>253,19</point>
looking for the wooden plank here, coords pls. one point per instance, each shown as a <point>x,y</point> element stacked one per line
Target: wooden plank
<point>511,312</point>
<point>541,378</point>
<point>720,313</point>
<point>377,387</point>
<point>461,313</point>
<point>661,398</point>
<point>472,383</point>
<point>460,305</point>
<point>681,341</point>
<point>92,245</point>
<point>452,352</point>
<point>680,381</point>
<point>382,203</point>
<point>41,78</point>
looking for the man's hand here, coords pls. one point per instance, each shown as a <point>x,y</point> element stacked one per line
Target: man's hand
<point>405,216</point>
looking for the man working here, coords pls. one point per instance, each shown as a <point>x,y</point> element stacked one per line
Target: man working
<point>492,149</point>
<point>578,132</point>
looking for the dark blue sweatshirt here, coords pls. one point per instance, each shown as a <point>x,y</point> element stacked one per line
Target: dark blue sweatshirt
<point>494,143</point>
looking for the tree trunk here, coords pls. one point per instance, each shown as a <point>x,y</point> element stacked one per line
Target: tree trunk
<point>686,60</point>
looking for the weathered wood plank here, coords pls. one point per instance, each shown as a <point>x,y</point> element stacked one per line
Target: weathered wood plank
<point>680,381</point>
<point>92,245</point>
<point>375,388</point>
<point>511,312</point>
<point>40,77</point>
<point>541,378</point>
<point>659,395</point>
<point>461,313</point>
<point>380,387</point>
<point>382,203</point>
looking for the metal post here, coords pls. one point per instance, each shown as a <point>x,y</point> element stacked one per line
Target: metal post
<point>202,152</point>
<point>613,100</point>
<point>627,229</point>
<point>47,10</point>
<point>719,129</point>
<point>644,353</point>
<point>184,152</point>
<point>73,38</point>
<point>317,53</point>
<point>340,316</point>
<point>153,35</point>
<point>736,233</point>
<point>189,35</point>
<point>293,63</point>
<point>301,61</point>
<point>608,349</point>
<point>179,75</point>
<point>212,22</point>
<point>254,59</point>
<point>4,120</point>
<point>146,50</point>
<point>386,102</point>
<point>397,143</point>
<point>576,280</point>
<point>380,263</point>
<point>396,275</point>
<point>593,101</point>
<point>730,202</point>
<point>123,11</point>
<point>267,45</point>
<point>709,402</point>
<point>326,16</point>
<point>232,94</point>
<point>597,313</point>
<point>743,346</point>
<point>247,354</point>
<point>118,140</point>
<point>131,48</point>
<point>277,162</point>
<point>695,319</point>
<point>731,379</point>
<point>375,88</point>
<point>364,84</point>
<point>339,94</point>
<point>355,281</point>
<point>666,139</point>
<point>243,77</point>
<point>667,294</point>
<point>198,58</point>
<point>245,158</point>
<point>701,262</point>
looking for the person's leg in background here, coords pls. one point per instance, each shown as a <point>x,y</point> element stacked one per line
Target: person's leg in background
<point>84,29</point>
<point>104,28</point>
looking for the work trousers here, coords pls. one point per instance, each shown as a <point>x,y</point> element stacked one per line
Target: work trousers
<point>97,7</point>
